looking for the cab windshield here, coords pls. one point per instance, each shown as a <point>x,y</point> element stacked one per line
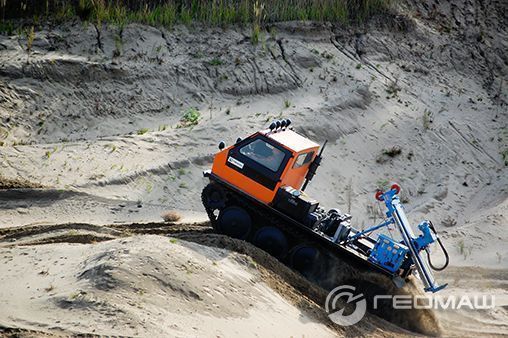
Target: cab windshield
<point>263,153</point>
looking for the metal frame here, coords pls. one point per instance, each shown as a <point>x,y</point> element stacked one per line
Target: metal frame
<point>397,216</point>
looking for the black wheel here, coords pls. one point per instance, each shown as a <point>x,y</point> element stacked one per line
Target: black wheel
<point>306,260</point>
<point>213,197</point>
<point>271,240</point>
<point>234,222</point>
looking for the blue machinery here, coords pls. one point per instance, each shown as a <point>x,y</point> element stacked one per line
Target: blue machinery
<point>390,254</point>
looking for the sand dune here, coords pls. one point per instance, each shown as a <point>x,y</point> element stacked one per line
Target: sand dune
<point>144,286</point>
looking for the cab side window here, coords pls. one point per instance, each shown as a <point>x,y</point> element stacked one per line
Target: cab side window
<point>303,159</point>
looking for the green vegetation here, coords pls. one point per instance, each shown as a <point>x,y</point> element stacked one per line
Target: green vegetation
<point>461,246</point>
<point>392,151</point>
<point>502,139</point>
<point>349,195</point>
<point>449,222</point>
<point>463,249</point>
<point>7,27</point>
<point>382,184</point>
<point>388,153</point>
<point>48,153</point>
<point>426,119</point>
<point>327,55</point>
<point>259,16</point>
<point>504,155</point>
<point>190,118</point>
<point>112,147</point>
<point>166,13</point>
<point>143,131</point>
<point>216,62</point>
<point>393,88</point>
<point>30,36</point>
<point>118,46</point>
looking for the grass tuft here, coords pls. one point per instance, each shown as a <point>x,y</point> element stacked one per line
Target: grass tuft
<point>30,37</point>
<point>216,62</point>
<point>392,151</point>
<point>259,17</point>
<point>504,155</point>
<point>393,88</point>
<point>426,119</point>
<point>388,153</point>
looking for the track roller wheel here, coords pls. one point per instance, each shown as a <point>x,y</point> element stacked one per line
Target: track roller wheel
<point>306,260</point>
<point>271,240</point>
<point>234,222</point>
<point>213,197</point>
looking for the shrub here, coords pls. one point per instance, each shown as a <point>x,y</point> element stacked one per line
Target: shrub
<point>171,216</point>
<point>190,118</point>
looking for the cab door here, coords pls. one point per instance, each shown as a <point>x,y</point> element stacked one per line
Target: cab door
<point>299,167</point>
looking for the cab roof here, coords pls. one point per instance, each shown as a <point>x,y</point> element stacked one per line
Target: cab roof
<point>290,139</point>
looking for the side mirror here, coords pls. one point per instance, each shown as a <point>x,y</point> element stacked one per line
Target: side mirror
<point>238,140</point>
<point>222,145</point>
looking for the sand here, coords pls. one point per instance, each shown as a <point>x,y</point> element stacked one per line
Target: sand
<point>102,133</point>
<point>143,286</point>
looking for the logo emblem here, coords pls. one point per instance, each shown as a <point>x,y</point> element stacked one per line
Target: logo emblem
<point>235,162</point>
<point>335,309</point>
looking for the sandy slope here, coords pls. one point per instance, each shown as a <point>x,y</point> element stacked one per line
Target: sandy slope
<point>431,81</point>
<point>144,286</point>
<point>476,281</point>
<point>154,285</point>
<point>133,277</point>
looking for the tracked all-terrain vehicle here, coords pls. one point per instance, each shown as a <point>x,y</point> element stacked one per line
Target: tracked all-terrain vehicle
<point>256,193</point>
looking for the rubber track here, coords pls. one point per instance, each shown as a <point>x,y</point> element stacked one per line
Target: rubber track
<point>294,235</point>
